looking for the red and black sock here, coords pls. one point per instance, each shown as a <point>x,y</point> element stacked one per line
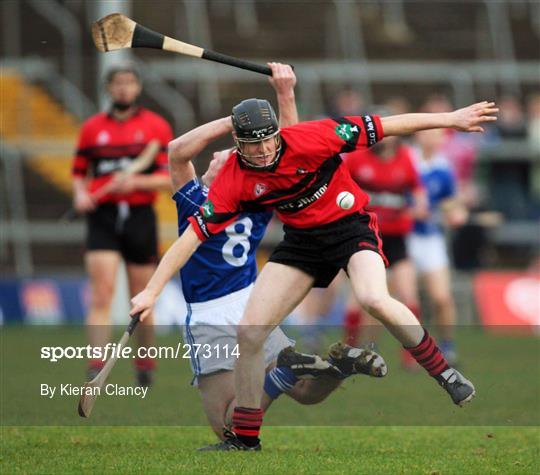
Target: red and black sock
<point>352,322</point>
<point>428,355</point>
<point>247,424</point>
<point>145,364</point>
<point>95,364</point>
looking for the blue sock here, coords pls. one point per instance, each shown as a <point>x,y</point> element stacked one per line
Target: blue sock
<point>447,346</point>
<point>279,380</point>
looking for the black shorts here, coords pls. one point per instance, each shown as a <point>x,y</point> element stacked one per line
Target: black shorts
<point>394,249</point>
<point>130,230</point>
<point>322,251</point>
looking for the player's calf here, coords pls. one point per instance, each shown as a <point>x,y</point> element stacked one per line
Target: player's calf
<point>292,366</point>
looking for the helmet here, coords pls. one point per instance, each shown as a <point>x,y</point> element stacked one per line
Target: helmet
<point>254,120</point>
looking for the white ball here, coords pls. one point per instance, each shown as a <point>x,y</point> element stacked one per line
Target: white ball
<point>345,200</point>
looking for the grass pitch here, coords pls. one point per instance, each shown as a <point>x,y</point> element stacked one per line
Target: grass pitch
<point>402,423</point>
<point>430,450</point>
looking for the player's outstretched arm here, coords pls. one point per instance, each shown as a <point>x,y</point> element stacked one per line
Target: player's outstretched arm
<point>468,119</point>
<point>283,81</point>
<point>173,260</point>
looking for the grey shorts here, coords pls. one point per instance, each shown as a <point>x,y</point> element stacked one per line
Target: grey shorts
<point>210,333</point>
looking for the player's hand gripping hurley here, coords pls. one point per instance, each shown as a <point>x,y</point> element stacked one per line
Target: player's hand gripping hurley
<point>116,31</point>
<point>138,165</point>
<point>86,402</point>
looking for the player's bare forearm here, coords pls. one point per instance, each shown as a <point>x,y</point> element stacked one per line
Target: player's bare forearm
<point>79,184</point>
<point>283,81</point>
<point>288,114</point>
<point>82,199</point>
<point>173,260</point>
<point>468,119</point>
<point>407,124</point>
<point>190,144</point>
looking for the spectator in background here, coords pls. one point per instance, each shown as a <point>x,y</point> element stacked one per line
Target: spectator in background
<point>347,102</point>
<point>461,150</point>
<point>533,122</point>
<point>533,138</point>
<point>398,105</point>
<point>121,223</point>
<point>511,124</point>
<point>426,244</point>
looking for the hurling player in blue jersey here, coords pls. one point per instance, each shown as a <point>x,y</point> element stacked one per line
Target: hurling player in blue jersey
<point>427,244</point>
<point>218,278</point>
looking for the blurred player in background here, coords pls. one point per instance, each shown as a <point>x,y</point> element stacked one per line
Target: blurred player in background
<point>461,149</point>
<point>299,172</point>
<point>388,174</point>
<point>121,224</point>
<point>347,101</point>
<point>427,244</point>
<point>533,122</point>
<point>218,279</point>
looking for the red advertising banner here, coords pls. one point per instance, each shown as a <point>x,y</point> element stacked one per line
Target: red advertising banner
<point>508,299</point>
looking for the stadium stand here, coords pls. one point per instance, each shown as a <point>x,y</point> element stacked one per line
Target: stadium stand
<point>332,33</point>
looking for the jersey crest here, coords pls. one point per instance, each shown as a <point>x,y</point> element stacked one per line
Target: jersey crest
<point>225,263</point>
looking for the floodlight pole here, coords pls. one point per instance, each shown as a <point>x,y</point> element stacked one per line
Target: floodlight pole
<point>105,61</point>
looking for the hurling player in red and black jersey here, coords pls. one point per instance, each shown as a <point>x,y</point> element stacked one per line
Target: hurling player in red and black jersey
<point>298,172</point>
<point>120,219</point>
<point>387,172</point>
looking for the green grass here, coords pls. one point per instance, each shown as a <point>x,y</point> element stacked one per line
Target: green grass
<point>287,450</point>
<point>403,423</point>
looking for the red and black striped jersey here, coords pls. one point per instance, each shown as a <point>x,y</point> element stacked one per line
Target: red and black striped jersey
<point>107,145</point>
<point>304,183</point>
<point>389,182</point>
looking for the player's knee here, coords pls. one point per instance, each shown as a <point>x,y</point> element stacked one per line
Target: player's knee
<point>442,301</point>
<point>374,303</point>
<point>102,294</point>
<point>251,337</point>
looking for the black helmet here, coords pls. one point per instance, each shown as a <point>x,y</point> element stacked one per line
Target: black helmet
<point>254,120</point>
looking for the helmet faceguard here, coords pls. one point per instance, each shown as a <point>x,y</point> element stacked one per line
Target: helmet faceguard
<point>254,121</point>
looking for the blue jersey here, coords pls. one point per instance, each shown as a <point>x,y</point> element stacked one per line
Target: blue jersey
<point>440,183</point>
<point>226,263</point>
